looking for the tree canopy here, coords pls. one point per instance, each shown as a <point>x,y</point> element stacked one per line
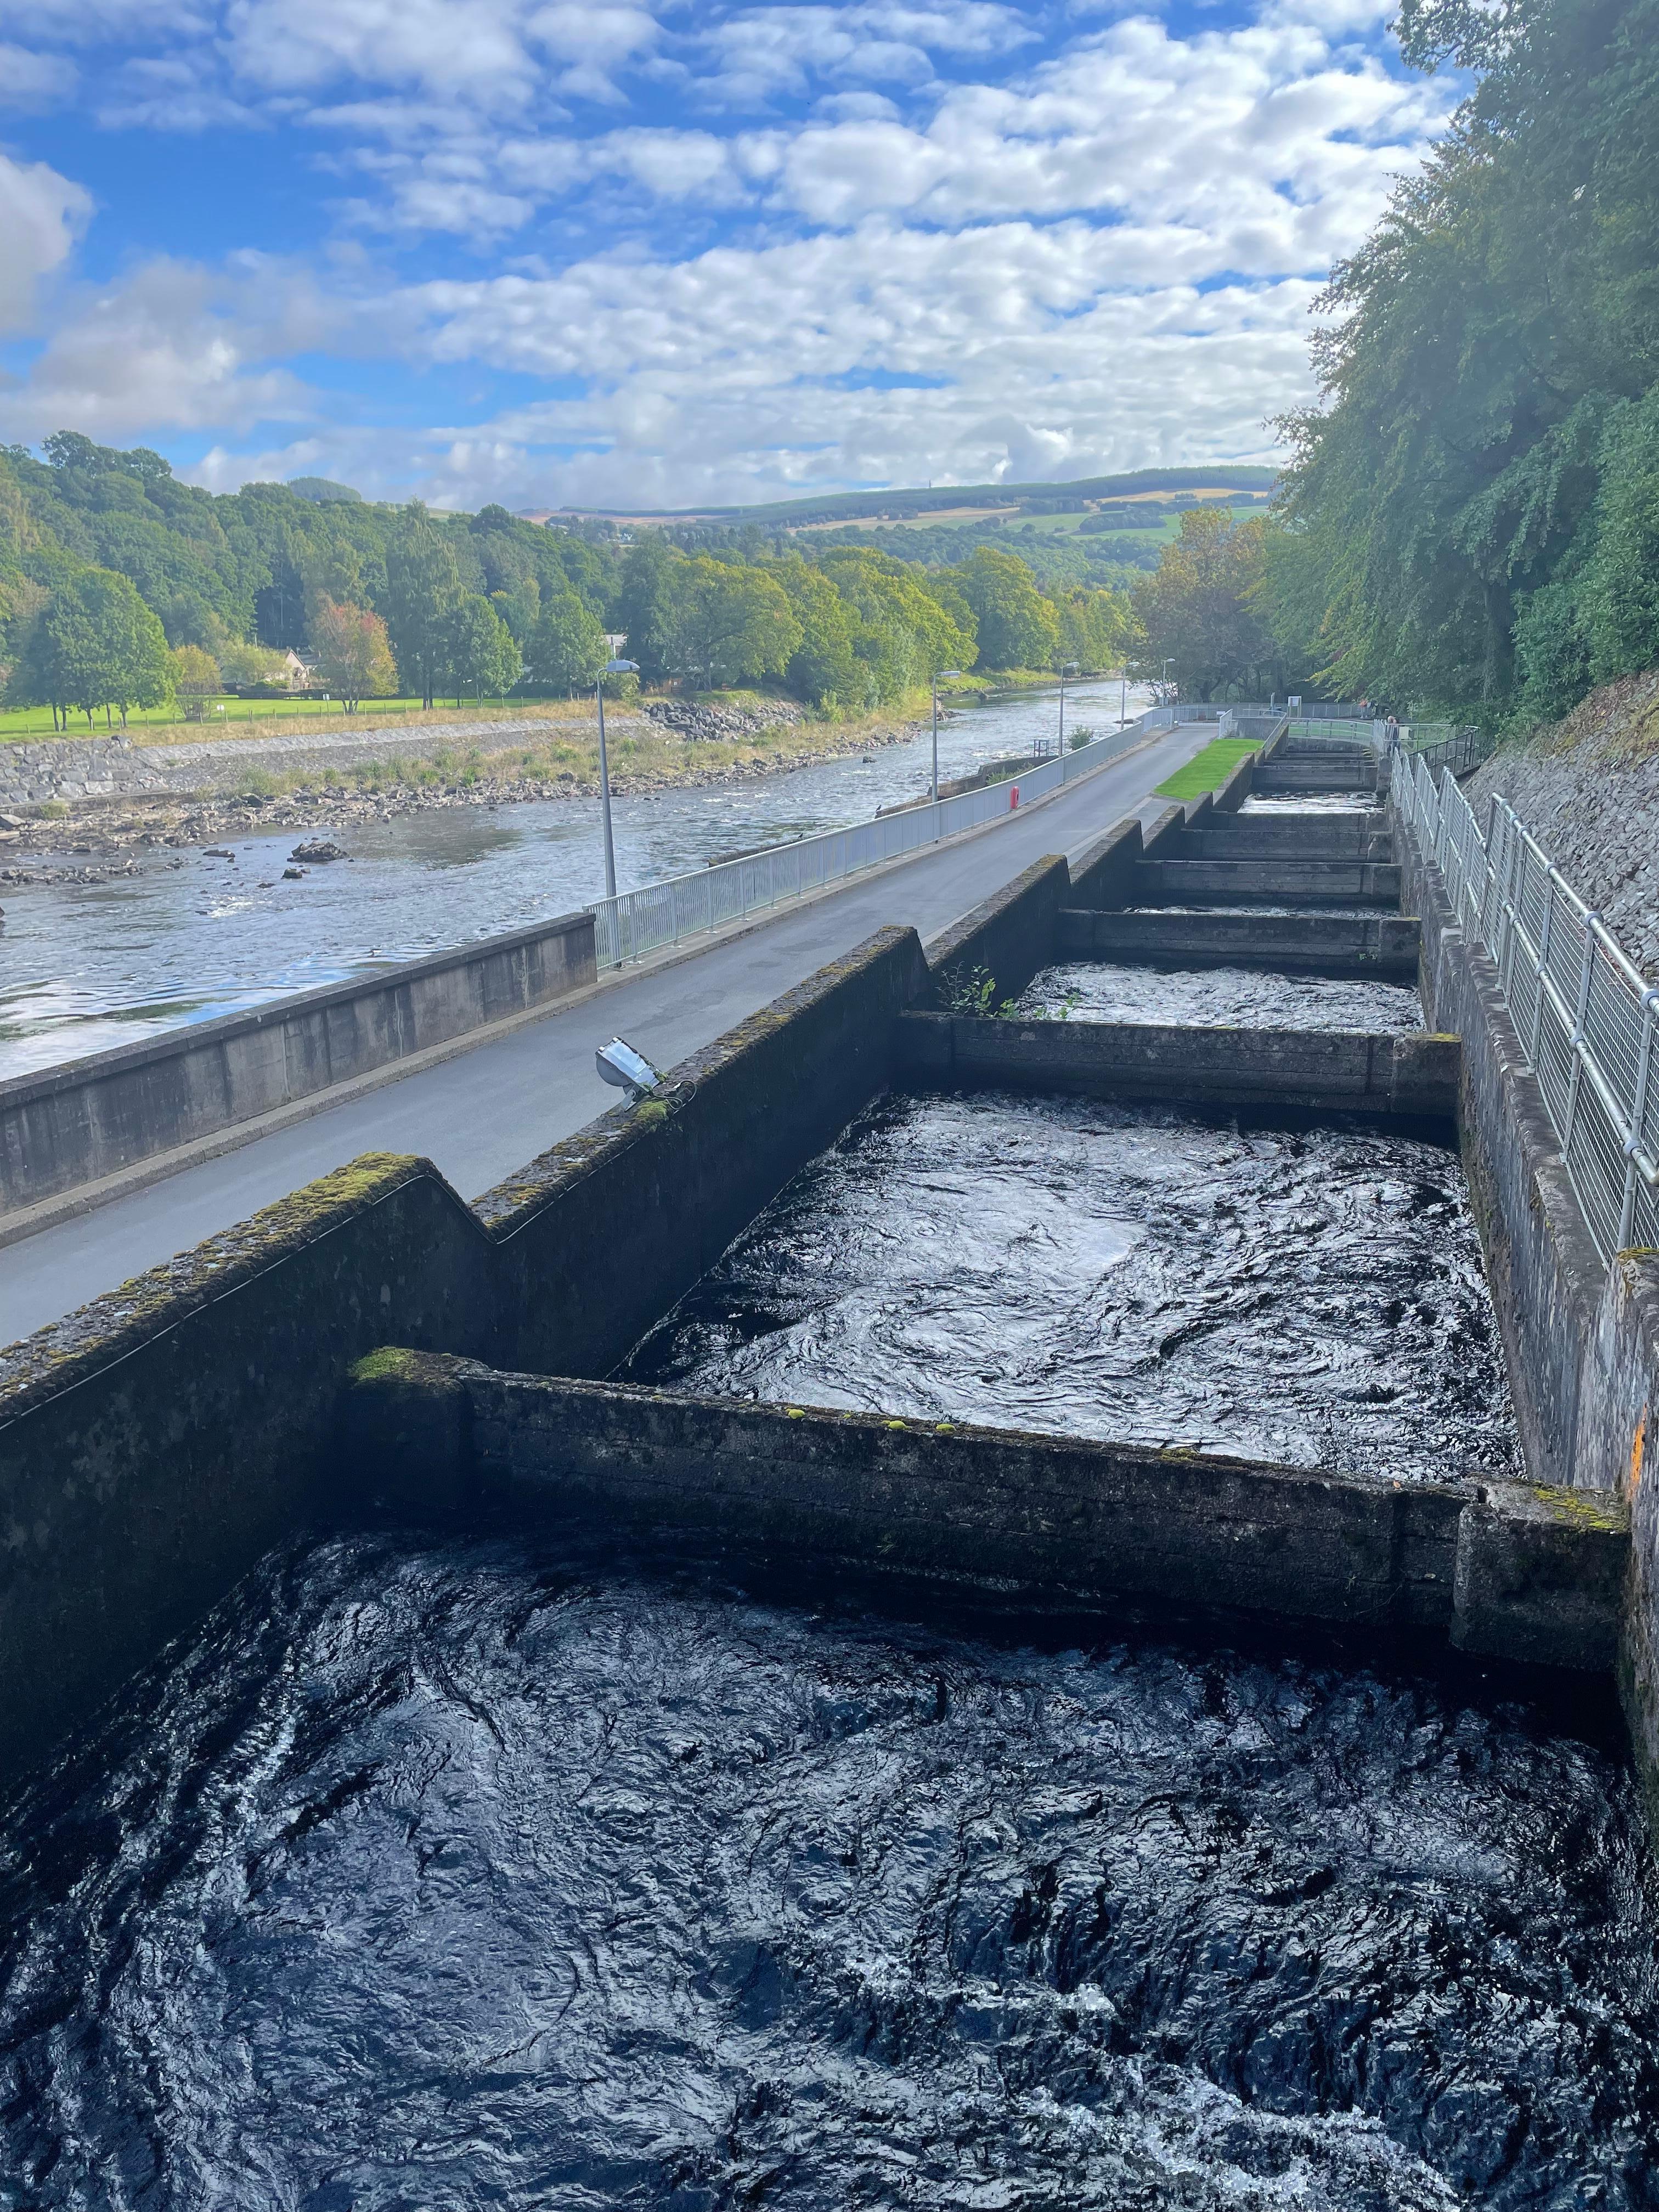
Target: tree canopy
<point>479,603</point>
<point>1475,504</point>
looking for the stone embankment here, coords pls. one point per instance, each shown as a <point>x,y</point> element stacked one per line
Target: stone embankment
<point>1588,788</point>
<point>687,719</point>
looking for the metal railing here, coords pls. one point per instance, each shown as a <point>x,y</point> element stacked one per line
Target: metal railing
<point>1329,734</point>
<point>659,914</point>
<point>1586,1017</point>
<point>1444,744</point>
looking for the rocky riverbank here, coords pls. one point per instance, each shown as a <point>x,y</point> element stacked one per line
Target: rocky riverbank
<point>92,838</point>
<point>1588,788</point>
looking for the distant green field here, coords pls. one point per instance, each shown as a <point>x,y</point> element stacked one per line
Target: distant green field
<point>1209,771</point>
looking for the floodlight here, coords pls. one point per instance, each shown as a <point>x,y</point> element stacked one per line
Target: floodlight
<point>620,1065</point>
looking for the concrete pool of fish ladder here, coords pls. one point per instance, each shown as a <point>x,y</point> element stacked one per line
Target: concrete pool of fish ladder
<point>1508,1570</point>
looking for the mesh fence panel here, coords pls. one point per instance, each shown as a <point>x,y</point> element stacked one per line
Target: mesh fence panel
<point>1587,1019</point>
<point>658,914</point>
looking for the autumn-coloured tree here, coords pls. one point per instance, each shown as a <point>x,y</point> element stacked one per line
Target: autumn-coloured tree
<point>354,657</point>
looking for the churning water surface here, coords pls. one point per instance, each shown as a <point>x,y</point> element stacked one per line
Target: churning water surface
<point>1312,1296</point>
<point>1229,997</point>
<point>456,1875</point>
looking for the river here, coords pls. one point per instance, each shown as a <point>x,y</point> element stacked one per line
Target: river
<point>85,967</point>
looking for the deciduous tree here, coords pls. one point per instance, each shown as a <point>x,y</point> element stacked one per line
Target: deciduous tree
<point>354,655</point>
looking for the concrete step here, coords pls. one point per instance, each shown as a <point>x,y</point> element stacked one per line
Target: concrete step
<point>1277,883</point>
<point>1279,778</point>
<point>1333,836</point>
<point>1413,1077</point>
<point>1386,946</point>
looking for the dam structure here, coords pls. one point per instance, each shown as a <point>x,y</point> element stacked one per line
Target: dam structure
<point>1033,1576</point>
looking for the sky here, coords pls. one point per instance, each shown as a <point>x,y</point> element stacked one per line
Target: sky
<point>619,253</point>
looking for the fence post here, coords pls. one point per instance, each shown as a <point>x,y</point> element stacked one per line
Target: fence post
<point>1638,1114</point>
<point>1584,974</point>
<point>1543,961</point>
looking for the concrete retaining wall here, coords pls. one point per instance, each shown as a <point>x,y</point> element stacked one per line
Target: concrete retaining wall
<point>1583,1338</point>
<point>1006,938</point>
<point>73,1125</point>
<point>1411,1077</point>
<point>153,1445</point>
<point>75,767</point>
<point>1546,1276</point>
<point>1036,1520</point>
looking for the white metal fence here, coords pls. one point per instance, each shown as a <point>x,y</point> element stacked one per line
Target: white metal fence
<point>1587,1017</point>
<point>662,914</point>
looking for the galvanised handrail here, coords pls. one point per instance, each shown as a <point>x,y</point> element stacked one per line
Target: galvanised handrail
<point>662,914</point>
<point>1587,1015</point>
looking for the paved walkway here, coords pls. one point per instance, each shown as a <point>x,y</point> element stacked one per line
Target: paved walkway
<point>486,1112</point>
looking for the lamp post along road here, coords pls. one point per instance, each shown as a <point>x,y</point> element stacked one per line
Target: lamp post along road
<point>937,673</point>
<point>611,668</point>
<point>1067,668</point>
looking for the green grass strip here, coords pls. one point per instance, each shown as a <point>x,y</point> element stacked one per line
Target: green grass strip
<point>1210,770</point>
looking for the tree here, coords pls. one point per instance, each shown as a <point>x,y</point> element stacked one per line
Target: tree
<point>732,625</point>
<point>643,608</point>
<point>479,653</point>
<point>566,648</point>
<point>242,663</point>
<point>95,644</point>
<point>354,655</point>
<point>1094,627</point>
<point>1461,489</point>
<point>824,667</point>
<point>1016,626</point>
<point>424,591</point>
<point>196,679</point>
<point>1198,609</point>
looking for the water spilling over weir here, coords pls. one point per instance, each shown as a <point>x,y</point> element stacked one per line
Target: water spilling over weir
<point>1110,991</point>
<point>696,1801</point>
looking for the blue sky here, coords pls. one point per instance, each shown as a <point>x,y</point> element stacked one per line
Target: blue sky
<point>553,253</point>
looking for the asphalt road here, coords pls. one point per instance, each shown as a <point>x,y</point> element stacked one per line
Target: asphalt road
<point>486,1112</point>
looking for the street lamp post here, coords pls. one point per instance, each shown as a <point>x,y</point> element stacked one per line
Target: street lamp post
<point>1067,668</point>
<point>937,673</point>
<point>1168,665</point>
<point>611,668</point>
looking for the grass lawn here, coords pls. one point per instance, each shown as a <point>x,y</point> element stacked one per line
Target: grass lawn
<point>1210,770</point>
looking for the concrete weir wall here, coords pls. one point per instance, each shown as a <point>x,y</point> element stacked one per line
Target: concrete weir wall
<point>1049,1521</point>
<point>90,1118</point>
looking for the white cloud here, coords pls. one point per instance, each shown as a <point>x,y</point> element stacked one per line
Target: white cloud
<point>170,348</point>
<point>936,258</point>
<point>41,215</point>
<point>34,80</point>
